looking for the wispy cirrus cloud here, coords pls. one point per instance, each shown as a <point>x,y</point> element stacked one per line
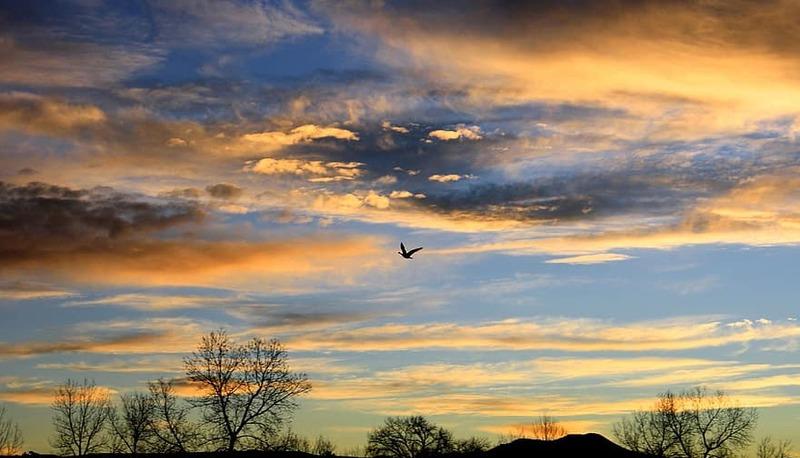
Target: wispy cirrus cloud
<point>577,335</point>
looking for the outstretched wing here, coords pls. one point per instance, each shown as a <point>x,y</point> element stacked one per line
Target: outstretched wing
<point>414,251</point>
<point>402,247</point>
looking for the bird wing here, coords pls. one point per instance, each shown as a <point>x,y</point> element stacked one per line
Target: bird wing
<point>414,251</point>
<point>402,247</point>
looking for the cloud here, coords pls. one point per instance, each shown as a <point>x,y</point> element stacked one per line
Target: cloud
<point>41,115</point>
<point>67,63</point>
<point>599,258</point>
<point>21,290</point>
<point>677,63</point>
<point>319,171</point>
<point>449,178</point>
<point>226,23</point>
<point>32,391</point>
<point>277,318</point>
<point>301,134</point>
<point>409,172</point>
<point>224,191</point>
<point>386,180</point>
<point>560,335</point>
<point>107,237</point>
<point>175,141</point>
<point>405,195</point>
<point>572,426</point>
<point>350,204</point>
<point>461,131</point>
<point>120,366</point>
<point>144,336</point>
<point>499,405</point>
<point>386,125</point>
<point>153,302</point>
<point>760,211</point>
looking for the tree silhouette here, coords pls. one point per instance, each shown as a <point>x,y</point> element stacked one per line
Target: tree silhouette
<point>132,421</point>
<point>544,428</point>
<point>693,424</point>
<point>323,447</point>
<point>472,445</point>
<point>769,449</point>
<point>409,437</point>
<point>10,435</point>
<point>171,427</point>
<point>80,412</point>
<point>247,389</point>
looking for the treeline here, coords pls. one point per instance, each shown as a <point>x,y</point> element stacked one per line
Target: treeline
<point>234,396</point>
<point>696,423</point>
<point>241,396</point>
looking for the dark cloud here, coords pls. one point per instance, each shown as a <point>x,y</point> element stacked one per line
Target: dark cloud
<point>107,237</point>
<point>185,193</point>
<point>36,348</point>
<point>38,219</point>
<point>224,191</point>
<point>26,171</point>
<point>553,24</point>
<point>298,316</point>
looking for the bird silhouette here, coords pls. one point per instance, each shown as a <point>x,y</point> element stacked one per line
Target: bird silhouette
<point>409,253</point>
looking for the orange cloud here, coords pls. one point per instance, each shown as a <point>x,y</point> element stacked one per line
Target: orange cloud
<point>192,262</point>
<point>678,63</point>
<point>41,115</point>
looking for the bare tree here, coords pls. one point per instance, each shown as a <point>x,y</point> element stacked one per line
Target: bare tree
<point>247,388</point>
<point>409,437</point>
<point>720,425</point>
<point>132,421</point>
<point>288,441</point>
<point>544,428</point>
<point>693,424</point>
<point>769,449</point>
<point>10,435</point>
<point>472,445</point>
<point>323,447</point>
<point>647,432</point>
<point>172,430</point>
<point>80,412</point>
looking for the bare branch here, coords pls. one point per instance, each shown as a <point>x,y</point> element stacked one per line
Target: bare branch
<point>247,388</point>
<point>80,413</point>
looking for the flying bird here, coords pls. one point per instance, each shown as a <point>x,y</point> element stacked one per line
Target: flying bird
<point>407,254</point>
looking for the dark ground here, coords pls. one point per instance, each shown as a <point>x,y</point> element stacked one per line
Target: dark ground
<point>573,445</point>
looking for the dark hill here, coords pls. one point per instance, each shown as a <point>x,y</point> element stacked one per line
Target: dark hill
<point>588,445</point>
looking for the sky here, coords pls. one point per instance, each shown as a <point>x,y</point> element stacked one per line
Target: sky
<point>608,196</point>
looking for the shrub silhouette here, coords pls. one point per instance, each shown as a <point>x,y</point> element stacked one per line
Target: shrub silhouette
<point>409,437</point>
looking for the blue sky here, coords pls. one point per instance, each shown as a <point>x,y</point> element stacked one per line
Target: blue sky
<point>608,201</point>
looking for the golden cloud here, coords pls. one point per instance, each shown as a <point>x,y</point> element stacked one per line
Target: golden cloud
<point>305,133</point>
<point>574,335</point>
<point>41,115</point>
<point>677,63</point>
<point>445,178</point>
<point>461,131</point>
<point>318,170</point>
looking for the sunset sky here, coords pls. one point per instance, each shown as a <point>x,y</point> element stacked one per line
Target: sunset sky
<point>608,194</point>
